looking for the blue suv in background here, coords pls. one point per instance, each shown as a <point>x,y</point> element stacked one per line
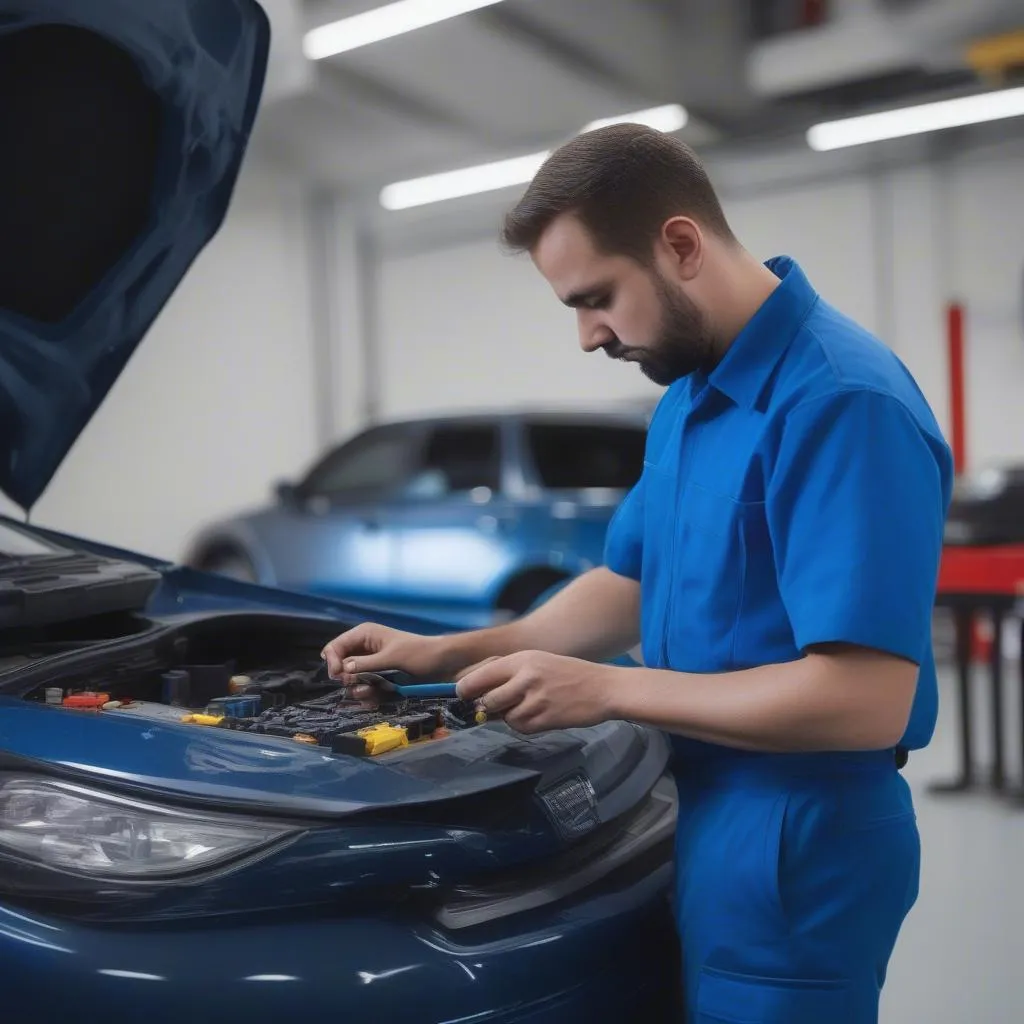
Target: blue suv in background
<point>462,519</point>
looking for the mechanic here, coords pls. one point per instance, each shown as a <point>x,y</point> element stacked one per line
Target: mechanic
<point>778,558</point>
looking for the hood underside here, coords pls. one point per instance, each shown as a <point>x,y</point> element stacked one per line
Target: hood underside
<point>124,124</point>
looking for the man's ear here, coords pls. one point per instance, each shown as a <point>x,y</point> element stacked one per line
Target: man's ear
<point>683,244</point>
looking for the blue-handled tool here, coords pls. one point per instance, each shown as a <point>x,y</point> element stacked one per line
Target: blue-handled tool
<point>397,681</point>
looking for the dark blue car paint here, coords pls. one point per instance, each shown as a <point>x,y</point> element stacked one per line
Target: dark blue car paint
<point>290,906</point>
<point>604,960</point>
<point>206,62</point>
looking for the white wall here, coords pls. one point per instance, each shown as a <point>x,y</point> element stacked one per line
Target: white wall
<point>827,228</point>
<point>217,402</point>
<point>986,249</point>
<point>465,326</point>
<point>468,327</point>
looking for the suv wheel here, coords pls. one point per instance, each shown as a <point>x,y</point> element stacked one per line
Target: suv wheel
<point>523,592</point>
<point>229,562</point>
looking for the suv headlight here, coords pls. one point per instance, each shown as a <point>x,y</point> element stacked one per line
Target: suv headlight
<point>75,829</point>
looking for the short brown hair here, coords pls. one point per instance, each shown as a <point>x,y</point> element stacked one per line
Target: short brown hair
<point>623,182</point>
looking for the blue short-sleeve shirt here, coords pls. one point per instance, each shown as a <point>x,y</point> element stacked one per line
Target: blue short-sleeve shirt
<point>796,495</point>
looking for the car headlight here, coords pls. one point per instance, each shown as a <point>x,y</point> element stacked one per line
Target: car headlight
<point>76,829</point>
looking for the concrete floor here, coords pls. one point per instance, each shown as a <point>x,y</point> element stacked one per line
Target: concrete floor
<point>960,958</point>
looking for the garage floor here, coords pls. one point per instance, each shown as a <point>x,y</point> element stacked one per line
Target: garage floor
<point>961,953</point>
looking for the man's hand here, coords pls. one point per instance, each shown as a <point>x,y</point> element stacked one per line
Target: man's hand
<point>371,648</point>
<point>535,691</point>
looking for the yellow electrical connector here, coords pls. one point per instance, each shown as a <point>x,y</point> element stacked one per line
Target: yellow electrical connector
<point>380,739</point>
<point>203,719</point>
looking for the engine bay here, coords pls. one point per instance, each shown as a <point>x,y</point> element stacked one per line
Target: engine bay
<point>280,688</point>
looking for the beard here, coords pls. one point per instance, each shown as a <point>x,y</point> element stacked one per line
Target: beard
<point>683,345</point>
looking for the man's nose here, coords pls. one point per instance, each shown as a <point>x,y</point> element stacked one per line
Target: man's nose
<point>593,334</point>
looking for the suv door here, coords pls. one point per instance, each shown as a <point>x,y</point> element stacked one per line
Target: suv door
<point>454,525</point>
<point>335,537</point>
<point>581,470</point>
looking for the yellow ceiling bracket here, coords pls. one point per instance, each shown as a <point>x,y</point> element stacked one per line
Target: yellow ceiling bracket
<point>994,56</point>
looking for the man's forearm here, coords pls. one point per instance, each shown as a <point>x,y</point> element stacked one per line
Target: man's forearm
<point>595,617</point>
<point>854,700</point>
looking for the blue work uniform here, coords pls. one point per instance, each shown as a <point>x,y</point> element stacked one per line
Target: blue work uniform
<point>793,496</point>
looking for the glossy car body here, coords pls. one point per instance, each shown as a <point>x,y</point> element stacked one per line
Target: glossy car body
<point>461,519</point>
<point>158,866</point>
<point>356,904</point>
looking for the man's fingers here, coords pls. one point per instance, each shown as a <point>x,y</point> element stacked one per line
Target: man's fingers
<point>356,644</point>
<point>522,720</point>
<point>351,668</point>
<point>480,680</point>
<point>473,668</point>
<point>365,693</point>
<point>504,699</point>
<point>340,648</point>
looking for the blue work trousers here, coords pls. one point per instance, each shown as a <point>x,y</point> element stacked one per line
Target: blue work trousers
<point>795,874</point>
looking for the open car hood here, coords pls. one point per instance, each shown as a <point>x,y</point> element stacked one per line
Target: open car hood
<point>123,127</point>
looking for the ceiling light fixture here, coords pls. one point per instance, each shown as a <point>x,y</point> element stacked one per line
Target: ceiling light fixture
<point>669,118</point>
<point>466,182</point>
<point>926,117</point>
<point>383,23</point>
<point>435,188</point>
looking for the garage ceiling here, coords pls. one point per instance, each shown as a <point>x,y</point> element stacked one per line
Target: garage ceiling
<point>521,75</point>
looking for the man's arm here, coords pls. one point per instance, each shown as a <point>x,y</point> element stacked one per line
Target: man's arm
<point>842,699</point>
<point>595,617</point>
<point>839,699</point>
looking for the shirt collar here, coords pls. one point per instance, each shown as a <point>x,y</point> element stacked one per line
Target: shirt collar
<point>750,359</point>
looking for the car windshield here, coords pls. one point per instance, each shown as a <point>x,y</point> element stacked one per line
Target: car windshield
<point>375,462</point>
<point>571,456</point>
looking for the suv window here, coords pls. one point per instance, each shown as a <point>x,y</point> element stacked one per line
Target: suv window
<point>583,456</point>
<point>373,463</point>
<point>458,459</point>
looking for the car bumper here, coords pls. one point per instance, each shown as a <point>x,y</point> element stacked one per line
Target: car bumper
<point>611,957</point>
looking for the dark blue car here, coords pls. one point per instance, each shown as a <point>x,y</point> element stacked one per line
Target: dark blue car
<point>464,519</point>
<point>196,824</point>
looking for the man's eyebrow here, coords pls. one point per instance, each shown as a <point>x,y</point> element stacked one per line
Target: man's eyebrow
<point>583,295</point>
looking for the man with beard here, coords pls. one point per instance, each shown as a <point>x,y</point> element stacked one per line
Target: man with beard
<point>778,558</point>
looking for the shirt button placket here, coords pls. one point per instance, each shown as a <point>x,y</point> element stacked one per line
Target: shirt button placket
<point>687,440</point>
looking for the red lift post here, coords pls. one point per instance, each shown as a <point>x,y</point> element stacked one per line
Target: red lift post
<point>973,582</point>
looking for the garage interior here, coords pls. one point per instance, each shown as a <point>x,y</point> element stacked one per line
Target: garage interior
<point>339,296</point>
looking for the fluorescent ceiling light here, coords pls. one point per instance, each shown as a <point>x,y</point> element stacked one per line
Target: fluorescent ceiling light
<point>669,118</point>
<point>504,173</point>
<point>466,182</point>
<point>927,117</point>
<point>383,23</point>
